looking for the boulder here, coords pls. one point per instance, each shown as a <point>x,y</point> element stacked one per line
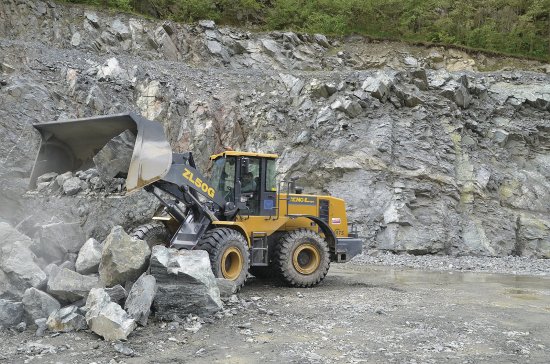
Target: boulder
<point>19,265</point>
<point>38,304</point>
<point>140,298</point>
<point>10,235</point>
<point>70,286</point>
<point>123,258</point>
<point>117,293</point>
<point>66,319</point>
<point>89,257</point>
<point>227,288</point>
<point>55,242</point>
<point>71,186</point>
<point>106,318</point>
<point>11,313</point>
<point>185,283</point>
<point>115,156</point>
<point>378,85</point>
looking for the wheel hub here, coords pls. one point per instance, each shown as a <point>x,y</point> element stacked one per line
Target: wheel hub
<point>232,263</point>
<point>306,259</point>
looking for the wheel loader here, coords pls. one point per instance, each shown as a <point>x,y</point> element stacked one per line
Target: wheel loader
<point>243,218</point>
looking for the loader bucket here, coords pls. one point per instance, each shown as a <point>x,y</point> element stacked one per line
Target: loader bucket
<point>71,145</point>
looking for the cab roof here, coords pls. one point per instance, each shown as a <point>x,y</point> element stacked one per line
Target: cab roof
<point>234,153</point>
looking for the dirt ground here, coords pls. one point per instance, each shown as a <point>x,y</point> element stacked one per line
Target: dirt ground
<point>360,313</point>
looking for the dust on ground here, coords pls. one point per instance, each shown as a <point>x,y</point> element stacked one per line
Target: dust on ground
<point>360,313</point>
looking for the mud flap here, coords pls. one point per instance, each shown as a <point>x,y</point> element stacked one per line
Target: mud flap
<point>347,248</point>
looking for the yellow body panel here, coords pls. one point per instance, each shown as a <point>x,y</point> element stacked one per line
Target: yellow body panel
<point>235,153</point>
<point>296,205</point>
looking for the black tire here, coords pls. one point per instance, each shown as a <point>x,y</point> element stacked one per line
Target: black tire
<point>302,258</point>
<point>153,234</point>
<point>229,256</point>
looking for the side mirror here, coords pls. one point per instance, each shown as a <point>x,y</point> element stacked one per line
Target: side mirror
<point>245,162</point>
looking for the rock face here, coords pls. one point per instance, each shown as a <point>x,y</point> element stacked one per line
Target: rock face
<point>38,304</point>
<point>69,286</point>
<point>139,301</point>
<point>185,283</point>
<point>66,319</point>
<point>106,318</point>
<point>123,258</point>
<point>89,257</point>
<point>431,156</point>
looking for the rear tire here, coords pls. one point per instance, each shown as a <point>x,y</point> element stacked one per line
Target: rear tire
<point>302,258</point>
<point>153,233</point>
<point>229,256</point>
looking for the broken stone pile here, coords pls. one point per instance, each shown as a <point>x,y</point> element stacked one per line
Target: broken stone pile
<point>105,287</point>
<point>111,164</point>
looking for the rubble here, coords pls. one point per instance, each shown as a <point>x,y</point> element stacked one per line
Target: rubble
<point>185,283</point>
<point>89,257</point>
<point>38,304</point>
<point>227,288</point>
<point>123,258</point>
<point>18,264</point>
<point>66,319</point>
<point>106,318</point>
<point>69,286</point>
<point>139,301</point>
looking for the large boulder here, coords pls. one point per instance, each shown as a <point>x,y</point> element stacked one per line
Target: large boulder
<point>89,257</point>
<point>139,301</point>
<point>66,319</point>
<point>11,313</point>
<point>123,258</point>
<point>10,235</point>
<point>56,242</point>
<point>69,286</point>
<point>107,318</point>
<point>38,304</point>
<point>185,283</point>
<point>115,156</point>
<point>19,265</point>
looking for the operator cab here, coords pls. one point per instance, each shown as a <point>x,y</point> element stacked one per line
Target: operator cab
<point>247,180</point>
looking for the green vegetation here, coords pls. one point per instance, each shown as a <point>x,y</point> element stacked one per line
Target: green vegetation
<point>520,27</point>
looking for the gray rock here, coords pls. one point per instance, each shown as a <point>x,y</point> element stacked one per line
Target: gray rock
<point>89,257</point>
<point>216,49</point>
<point>71,186</point>
<point>19,265</point>
<point>227,288</point>
<point>293,84</point>
<point>66,319</point>
<point>11,313</point>
<point>68,265</point>
<point>41,326</point>
<point>533,236</point>
<point>92,18</point>
<point>62,178</point>
<point>123,258</point>
<point>55,242</point>
<point>76,39</point>
<point>207,24</point>
<point>321,40</point>
<point>185,283</point>
<point>47,177</point>
<point>106,318</point>
<point>10,235</point>
<point>350,107</point>
<point>117,293</point>
<point>140,299</point>
<point>69,286</point>
<point>120,30</point>
<point>38,304</point>
<point>378,85</point>
<point>115,156</point>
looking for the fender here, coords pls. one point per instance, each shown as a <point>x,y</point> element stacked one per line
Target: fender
<point>235,225</point>
<point>330,236</point>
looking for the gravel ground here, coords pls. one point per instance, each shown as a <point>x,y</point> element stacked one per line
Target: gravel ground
<point>507,265</point>
<point>359,313</point>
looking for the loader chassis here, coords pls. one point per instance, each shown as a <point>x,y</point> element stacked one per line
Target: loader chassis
<point>240,215</point>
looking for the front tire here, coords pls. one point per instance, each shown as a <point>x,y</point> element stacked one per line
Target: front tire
<point>153,233</point>
<point>228,252</point>
<point>302,258</point>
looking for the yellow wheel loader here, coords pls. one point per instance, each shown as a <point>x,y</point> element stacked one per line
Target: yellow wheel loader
<point>241,216</point>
